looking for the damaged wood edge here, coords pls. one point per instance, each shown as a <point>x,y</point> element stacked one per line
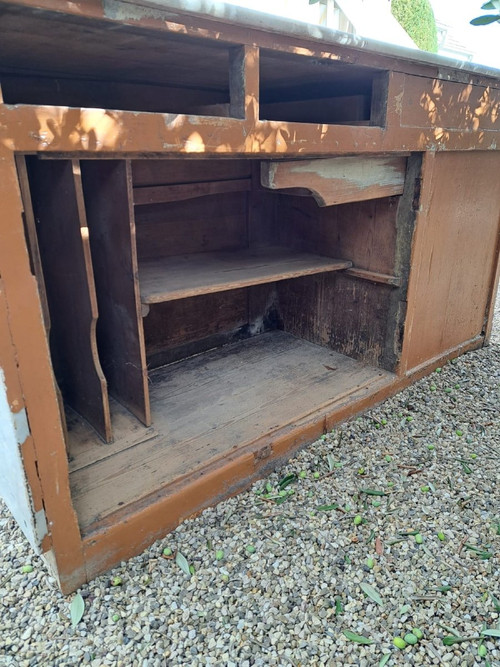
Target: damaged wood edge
<point>373,276</point>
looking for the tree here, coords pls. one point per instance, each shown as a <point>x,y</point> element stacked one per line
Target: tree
<point>417,18</point>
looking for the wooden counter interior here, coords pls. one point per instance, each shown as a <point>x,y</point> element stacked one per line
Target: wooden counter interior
<point>191,275</point>
<point>205,407</point>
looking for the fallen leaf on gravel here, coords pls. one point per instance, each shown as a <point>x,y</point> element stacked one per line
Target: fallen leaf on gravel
<point>371,593</point>
<point>359,639</point>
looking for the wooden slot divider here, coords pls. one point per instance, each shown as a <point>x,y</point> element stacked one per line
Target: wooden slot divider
<point>63,241</point>
<point>160,194</point>
<point>108,199</point>
<point>204,273</point>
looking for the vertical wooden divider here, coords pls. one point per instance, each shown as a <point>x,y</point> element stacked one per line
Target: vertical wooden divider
<point>36,262</point>
<point>107,186</point>
<point>63,243</point>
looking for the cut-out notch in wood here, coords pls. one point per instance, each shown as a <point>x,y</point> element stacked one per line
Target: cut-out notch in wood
<point>337,180</point>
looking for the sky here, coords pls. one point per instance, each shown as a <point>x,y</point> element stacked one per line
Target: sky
<point>484,41</point>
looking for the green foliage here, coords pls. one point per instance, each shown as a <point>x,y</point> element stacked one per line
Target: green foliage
<point>488,18</point>
<point>417,18</point>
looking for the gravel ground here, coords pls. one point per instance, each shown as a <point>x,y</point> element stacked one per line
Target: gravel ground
<point>277,580</point>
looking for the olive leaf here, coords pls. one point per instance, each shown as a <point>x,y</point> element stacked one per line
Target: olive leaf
<point>371,593</point>
<point>76,610</point>
<point>359,639</point>
<point>182,563</point>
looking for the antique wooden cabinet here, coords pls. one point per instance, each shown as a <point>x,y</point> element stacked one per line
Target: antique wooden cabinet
<point>221,234</point>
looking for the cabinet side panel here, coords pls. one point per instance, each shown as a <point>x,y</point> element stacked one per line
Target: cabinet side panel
<point>13,432</point>
<point>455,254</point>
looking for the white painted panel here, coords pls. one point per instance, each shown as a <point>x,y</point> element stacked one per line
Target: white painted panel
<point>14,489</point>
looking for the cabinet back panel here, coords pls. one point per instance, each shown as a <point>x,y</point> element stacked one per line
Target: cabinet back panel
<point>363,232</point>
<point>178,329</point>
<point>163,172</point>
<point>203,224</point>
<point>350,316</point>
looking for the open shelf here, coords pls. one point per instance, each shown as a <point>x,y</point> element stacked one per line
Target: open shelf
<point>206,407</point>
<point>174,278</point>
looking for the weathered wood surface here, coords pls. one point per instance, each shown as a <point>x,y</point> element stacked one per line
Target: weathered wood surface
<point>455,253</point>
<point>107,189</point>
<point>191,275</point>
<point>373,276</point>
<point>238,394</point>
<point>449,105</point>
<point>346,109</point>
<point>171,171</point>
<point>204,224</point>
<point>166,193</point>
<point>36,262</point>
<point>63,238</point>
<point>340,179</point>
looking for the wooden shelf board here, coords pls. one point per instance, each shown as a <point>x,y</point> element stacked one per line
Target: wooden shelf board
<point>203,273</point>
<point>202,407</point>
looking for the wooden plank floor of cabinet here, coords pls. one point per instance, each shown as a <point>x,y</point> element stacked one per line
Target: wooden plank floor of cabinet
<point>203,406</point>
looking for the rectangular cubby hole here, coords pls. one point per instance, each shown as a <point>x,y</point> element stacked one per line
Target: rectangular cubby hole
<point>110,67</point>
<point>302,89</point>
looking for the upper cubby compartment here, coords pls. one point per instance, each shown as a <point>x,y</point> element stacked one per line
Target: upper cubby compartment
<point>302,89</point>
<point>110,66</point>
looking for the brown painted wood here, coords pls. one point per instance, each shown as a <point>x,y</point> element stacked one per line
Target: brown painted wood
<point>338,180</point>
<point>446,104</point>
<point>35,259</point>
<point>455,253</point>
<point>65,252</point>
<point>107,188</point>
<point>160,194</point>
<point>236,394</point>
<point>191,275</point>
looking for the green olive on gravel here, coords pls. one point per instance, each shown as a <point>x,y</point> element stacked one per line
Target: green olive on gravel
<point>399,642</point>
<point>410,638</point>
<point>418,633</point>
<point>418,538</point>
<point>482,651</point>
<point>357,520</point>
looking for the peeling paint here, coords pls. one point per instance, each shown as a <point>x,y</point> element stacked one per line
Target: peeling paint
<point>13,484</point>
<point>21,426</point>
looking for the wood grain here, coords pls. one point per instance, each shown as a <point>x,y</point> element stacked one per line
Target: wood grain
<point>170,171</point>
<point>191,275</point>
<point>65,253</point>
<point>340,179</point>
<point>166,193</point>
<point>204,224</point>
<point>107,188</point>
<point>36,262</point>
<point>238,394</point>
<point>455,253</point>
